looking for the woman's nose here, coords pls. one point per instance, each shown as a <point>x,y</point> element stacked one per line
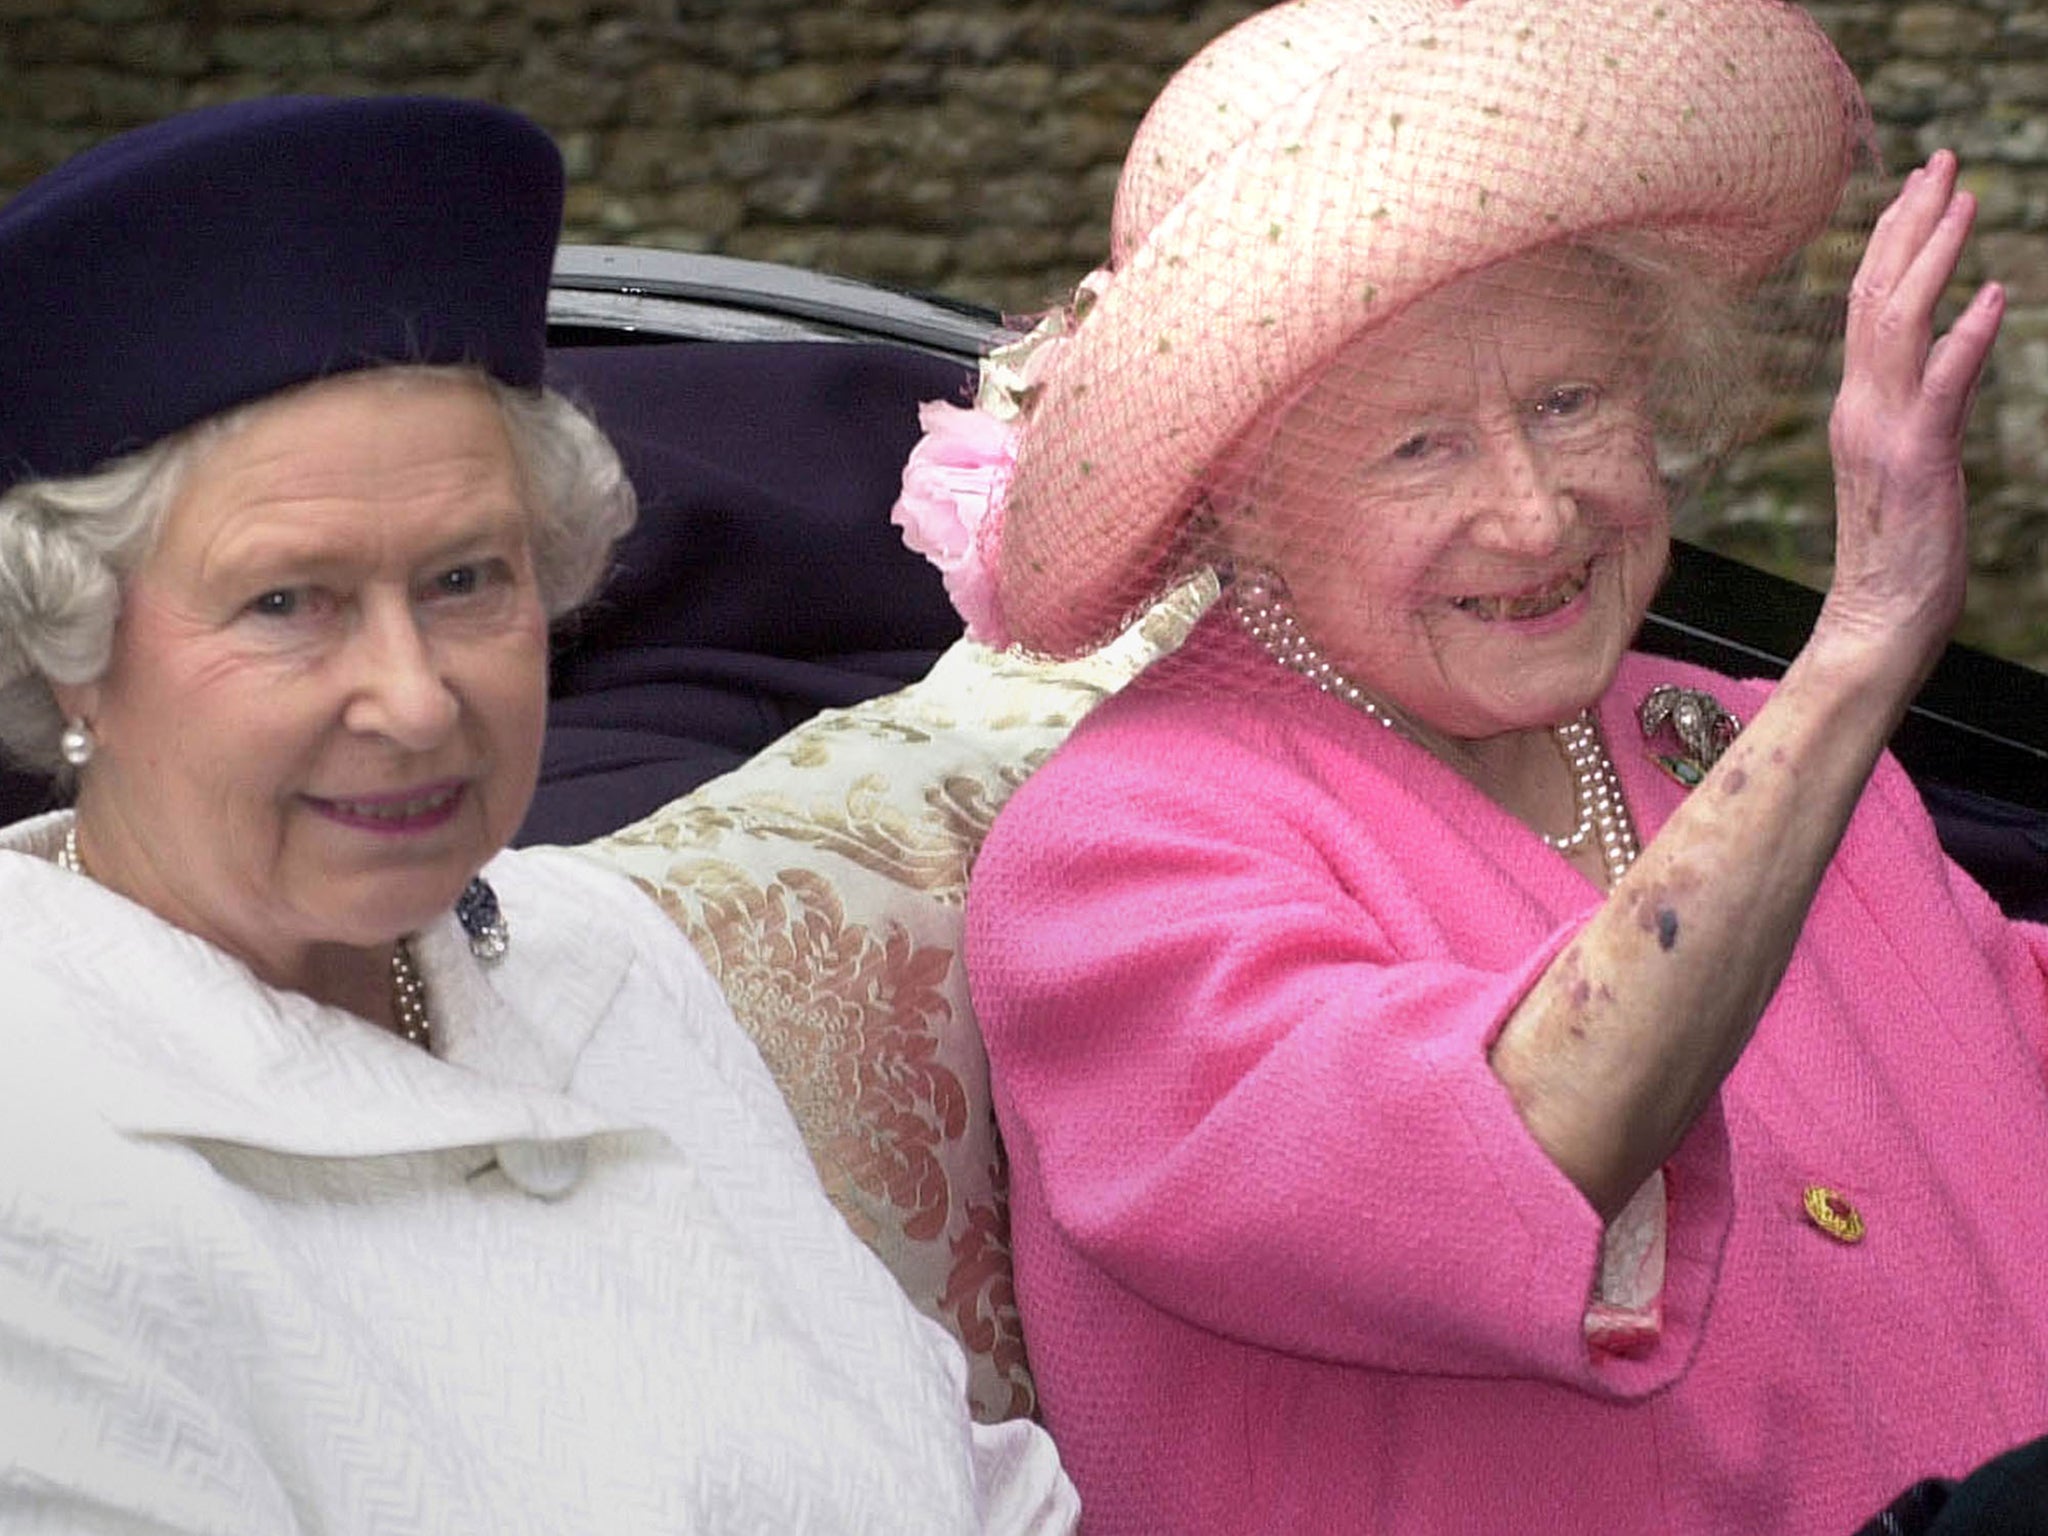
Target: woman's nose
<point>398,687</point>
<point>1523,506</point>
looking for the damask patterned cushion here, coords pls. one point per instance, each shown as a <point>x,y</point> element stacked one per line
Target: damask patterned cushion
<point>823,883</point>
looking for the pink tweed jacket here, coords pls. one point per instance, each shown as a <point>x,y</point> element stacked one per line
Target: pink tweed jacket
<point>1287,1258</point>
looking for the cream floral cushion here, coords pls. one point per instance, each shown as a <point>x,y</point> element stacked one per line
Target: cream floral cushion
<point>823,883</point>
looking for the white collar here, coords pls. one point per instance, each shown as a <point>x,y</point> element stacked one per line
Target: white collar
<point>170,1036</point>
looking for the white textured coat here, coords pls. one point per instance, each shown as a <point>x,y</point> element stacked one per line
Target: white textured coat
<point>266,1269</point>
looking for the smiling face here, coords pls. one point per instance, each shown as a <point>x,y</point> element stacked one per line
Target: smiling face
<point>1466,506</point>
<point>325,703</point>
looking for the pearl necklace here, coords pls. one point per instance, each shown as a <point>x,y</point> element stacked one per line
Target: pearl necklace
<point>409,998</point>
<point>1596,787</point>
<point>408,987</point>
<point>1601,814</point>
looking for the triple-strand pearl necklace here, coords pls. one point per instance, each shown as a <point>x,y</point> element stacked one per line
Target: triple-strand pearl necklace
<point>408,987</point>
<point>1601,815</point>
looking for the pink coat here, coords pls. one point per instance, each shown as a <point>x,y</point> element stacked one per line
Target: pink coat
<point>1289,1261</point>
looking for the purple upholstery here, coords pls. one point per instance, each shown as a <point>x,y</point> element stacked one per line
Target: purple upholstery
<point>764,581</point>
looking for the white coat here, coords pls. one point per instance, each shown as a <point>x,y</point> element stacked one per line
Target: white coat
<point>267,1269</point>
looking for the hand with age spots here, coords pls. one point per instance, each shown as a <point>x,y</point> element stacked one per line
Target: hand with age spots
<point>1627,1037</point>
<point>1897,430</point>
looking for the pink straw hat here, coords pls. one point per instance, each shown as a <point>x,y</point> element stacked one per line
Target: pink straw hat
<point>1326,163</point>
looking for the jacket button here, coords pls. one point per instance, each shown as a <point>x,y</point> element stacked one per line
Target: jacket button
<point>1830,1211</point>
<point>546,1170</point>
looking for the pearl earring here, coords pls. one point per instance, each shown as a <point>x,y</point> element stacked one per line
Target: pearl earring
<point>76,746</point>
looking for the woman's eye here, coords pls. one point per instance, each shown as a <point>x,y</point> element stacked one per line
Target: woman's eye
<point>466,580</point>
<point>1411,449</point>
<point>1567,401</point>
<point>473,578</point>
<point>284,603</point>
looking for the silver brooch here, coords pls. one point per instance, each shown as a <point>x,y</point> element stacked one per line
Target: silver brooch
<point>1703,728</point>
<point>477,910</point>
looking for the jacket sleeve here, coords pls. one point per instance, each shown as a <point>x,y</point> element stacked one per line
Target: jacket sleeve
<point>1220,1054</point>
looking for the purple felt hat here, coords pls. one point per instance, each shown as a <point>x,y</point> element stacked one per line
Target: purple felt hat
<point>230,252</point>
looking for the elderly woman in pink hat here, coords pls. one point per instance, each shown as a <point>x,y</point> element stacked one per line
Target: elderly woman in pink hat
<point>1459,1072</point>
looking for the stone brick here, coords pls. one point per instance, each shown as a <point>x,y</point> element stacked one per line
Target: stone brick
<point>157,48</point>
<point>26,153</point>
<point>59,41</point>
<point>2020,261</point>
<point>275,50</point>
<point>402,45</point>
<point>678,237</point>
<point>1908,89</point>
<point>908,82</point>
<point>57,96</point>
<point>746,42</point>
<point>583,209</point>
<point>1942,32</point>
<point>808,89</point>
<point>2024,84</point>
<point>1032,198</point>
<point>1015,90</point>
<point>113,12</point>
<point>750,150</point>
<point>2001,196</point>
<point>1075,37</point>
<point>904,196</point>
<point>845,34</point>
<point>1862,31</point>
<point>1207,23</point>
<point>793,247</point>
<point>2004,133</point>
<point>1076,141</point>
<point>2022,432</point>
<point>676,91</point>
<point>2026,29</point>
<point>1019,298</point>
<point>889,256</point>
<point>580,151</point>
<point>953,37</point>
<point>800,195</point>
<point>656,159</point>
<point>237,11</point>
<point>1087,243</point>
<point>1114,90</point>
<point>1006,251</point>
<point>710,212</point>
<point>563,100</point>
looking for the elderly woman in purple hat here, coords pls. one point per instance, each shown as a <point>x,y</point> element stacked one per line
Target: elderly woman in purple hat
<point>354,1175</point>
<point>1460,1074</point>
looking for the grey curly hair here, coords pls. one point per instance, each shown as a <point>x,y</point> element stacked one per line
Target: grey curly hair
<point>66,545</point>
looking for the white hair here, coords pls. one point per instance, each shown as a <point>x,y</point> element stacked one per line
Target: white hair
<point>67,545</point>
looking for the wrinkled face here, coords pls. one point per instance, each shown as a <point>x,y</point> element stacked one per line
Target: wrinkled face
<point>325,703</point>
<point>1466,505</point>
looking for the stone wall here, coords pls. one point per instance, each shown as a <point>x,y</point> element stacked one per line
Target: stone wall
<point>970,147</point>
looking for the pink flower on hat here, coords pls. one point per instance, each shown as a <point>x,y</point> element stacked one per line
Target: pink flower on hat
<point>955,481</point>
<point>951,508</point>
